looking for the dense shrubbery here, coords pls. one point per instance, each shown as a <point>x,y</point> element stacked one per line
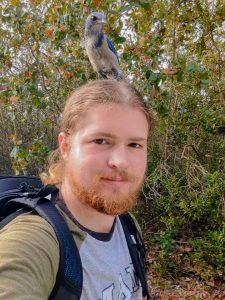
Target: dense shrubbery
<point>174,53</point>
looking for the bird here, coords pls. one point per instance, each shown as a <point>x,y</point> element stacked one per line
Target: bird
<point>100,49</point>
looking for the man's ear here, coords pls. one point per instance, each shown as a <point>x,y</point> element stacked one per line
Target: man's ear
<point>64,145</point>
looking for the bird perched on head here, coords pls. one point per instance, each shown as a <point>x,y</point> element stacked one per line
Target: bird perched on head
<point>100,49</point>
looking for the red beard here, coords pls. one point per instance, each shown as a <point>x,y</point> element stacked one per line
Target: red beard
<point>113,204</point>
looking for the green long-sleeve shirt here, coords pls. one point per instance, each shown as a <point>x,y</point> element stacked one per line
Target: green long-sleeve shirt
<point>36,262</point>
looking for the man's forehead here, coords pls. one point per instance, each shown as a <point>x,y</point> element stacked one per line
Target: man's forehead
<point>113,111</point>
<point>102,116</point>
<point>106,122</point>
<point>106,107</point>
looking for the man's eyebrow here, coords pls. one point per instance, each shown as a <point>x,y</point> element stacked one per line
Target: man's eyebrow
<point>138,139</point>
<point>101,133</point>
<point>109,135</point>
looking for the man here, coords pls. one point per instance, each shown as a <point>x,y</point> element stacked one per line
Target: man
<point>99,169</point>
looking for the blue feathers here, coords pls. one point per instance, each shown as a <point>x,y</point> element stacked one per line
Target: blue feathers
<point>99,41</point>
<point>100,49</point>
<point>111,47</point>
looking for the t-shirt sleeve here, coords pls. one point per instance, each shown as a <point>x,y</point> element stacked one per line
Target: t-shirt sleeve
<point>29,259</point>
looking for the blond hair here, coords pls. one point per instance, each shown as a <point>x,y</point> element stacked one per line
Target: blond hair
<point>79,102</point>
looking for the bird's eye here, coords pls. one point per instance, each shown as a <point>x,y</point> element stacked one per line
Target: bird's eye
<point>94,18</point>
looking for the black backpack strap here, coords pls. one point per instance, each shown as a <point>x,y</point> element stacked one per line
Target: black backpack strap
<point>69,278</point>
<point>12,216</point>
<point>137,251</point>
<point>21,183</point>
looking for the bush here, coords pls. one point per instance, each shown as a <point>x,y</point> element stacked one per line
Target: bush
<point>174,54</point>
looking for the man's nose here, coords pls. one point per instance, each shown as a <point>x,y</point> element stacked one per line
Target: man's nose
<point>118,158</point>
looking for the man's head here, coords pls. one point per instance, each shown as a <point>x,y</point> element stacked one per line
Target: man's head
<point>100,92</point>
<point>103,145</point>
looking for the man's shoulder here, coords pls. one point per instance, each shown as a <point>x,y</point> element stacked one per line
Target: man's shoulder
<point>31,236</point>
<point>29,252</point>
<point>29,219</point>
<point>30,226</point>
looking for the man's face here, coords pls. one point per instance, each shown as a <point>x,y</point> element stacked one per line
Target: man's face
<point>105,159</point>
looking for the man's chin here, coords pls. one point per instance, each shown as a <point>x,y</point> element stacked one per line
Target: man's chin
<point>115,204</point>
<point>112,201</point>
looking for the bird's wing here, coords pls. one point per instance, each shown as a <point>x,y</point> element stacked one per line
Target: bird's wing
<point>111,47</point>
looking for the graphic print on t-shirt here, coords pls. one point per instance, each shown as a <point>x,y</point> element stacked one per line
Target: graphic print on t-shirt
<point>126,289</point>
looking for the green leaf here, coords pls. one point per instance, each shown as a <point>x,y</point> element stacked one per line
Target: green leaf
<point>144,3</point>
<point>126,55</point>
<point>148,74</point>
<point>120,40</point>
<point>204,82</point>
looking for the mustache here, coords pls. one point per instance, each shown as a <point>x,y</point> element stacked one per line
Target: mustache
<point>121,175</point>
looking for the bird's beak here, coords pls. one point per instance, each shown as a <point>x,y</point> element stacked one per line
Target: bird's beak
<point>102,21</point>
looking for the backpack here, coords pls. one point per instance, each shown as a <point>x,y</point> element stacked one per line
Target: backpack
<point>20,194</point>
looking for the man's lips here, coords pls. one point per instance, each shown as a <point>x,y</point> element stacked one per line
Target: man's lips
<point>114,181</point>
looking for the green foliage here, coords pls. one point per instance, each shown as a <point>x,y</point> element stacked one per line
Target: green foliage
<point>173,51</point>
<point>209,254</point>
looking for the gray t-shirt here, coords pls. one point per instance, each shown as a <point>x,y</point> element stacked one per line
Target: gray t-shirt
<point>108,272</point>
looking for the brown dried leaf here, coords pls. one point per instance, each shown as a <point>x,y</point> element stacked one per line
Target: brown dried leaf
<point>69,75</point>
<point>61,70</point>
<point>12,136</point>
<point>48,32</point>
<point>14,99</point>
<point>169,71</point>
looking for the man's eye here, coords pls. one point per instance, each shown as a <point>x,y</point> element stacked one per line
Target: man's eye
<point>100,141</point>
<point>135,145</point>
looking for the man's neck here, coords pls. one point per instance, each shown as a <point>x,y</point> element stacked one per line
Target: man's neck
<point>84,214</point>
